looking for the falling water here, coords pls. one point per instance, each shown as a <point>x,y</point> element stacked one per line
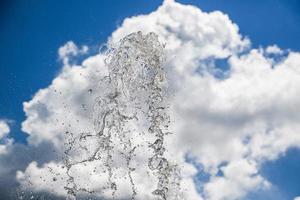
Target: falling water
<point>134,99</point>
<point>131,121</point>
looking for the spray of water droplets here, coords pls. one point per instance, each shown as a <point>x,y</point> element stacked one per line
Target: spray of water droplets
<point>133,99</point>
<point>131,121</point>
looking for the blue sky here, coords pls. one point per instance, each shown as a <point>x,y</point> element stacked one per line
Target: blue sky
<point>32,31</point>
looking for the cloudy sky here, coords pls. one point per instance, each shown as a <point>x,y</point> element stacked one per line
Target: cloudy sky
<point>233,69</point>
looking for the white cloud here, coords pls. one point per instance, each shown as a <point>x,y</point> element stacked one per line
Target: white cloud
<point>70,49</point>
<point>297,198</point>
<point>274,49</point>
<point>6,143</point>
<point>4,129</point>
<point>240,176</point>
<point>231,125</point>
<point>44,178</point>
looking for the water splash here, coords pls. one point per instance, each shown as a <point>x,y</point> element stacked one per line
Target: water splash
<point>130,122</point>
<point>134,97</point>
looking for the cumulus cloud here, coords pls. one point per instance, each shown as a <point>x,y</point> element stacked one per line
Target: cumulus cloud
<point>5,142</point>
<point>70,49</point>
<point>274,49</point>
<point>4,129</point>
<point>231,121</point>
